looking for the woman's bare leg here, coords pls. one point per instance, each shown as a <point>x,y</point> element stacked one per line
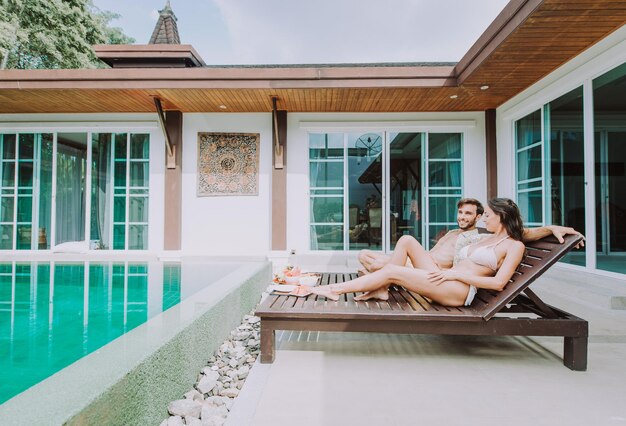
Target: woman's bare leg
<point>450,293</point>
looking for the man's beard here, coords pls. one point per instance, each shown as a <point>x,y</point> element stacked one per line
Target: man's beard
<point>467,226</point>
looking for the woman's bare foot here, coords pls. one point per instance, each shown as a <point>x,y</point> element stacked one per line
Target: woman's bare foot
<point>325,291</point>
<point>380,294</point>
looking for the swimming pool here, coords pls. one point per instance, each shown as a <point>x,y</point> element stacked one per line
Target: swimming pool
<point>52,314</point>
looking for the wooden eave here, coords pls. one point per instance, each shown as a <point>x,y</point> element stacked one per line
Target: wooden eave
<point>527,41</point>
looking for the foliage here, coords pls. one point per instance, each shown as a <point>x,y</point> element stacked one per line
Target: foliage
<point>54,33</point>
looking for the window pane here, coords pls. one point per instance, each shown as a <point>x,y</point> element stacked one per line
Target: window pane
<point>442,209</point>
<point>326,174</point>
<point>327,237</point>
<point>119,237</point>
<point>24,209</point>
<point>139,174</point>
<point>405,200</point>
<point>120,146</point>
<point>530,205</point>
<point>8,174</point>
<point>139,146</point>
<point>438,231</point>
<point>119,209</point>
<point>45,191</point>
<point>528,130</point>
<point>8,147</point>
<point>364,184</point>
<point>529,164</point>
<point>120,173</point>
<point>137,237</point>
<point>609,110</point>
<point>444,173</point>
<point>138,209</point>
<point>326,145</point>
<point>6,209</point>
<point>27,143</point>
<point>567,166</point>
<point>101,191</point>
<point>24,235</point>
<point>25,175</point>
<point>326,209</point>
<point>6,237</point>
<point>444,145</point>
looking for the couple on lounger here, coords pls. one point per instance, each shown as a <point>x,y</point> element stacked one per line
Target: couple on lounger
<point>474,260</point>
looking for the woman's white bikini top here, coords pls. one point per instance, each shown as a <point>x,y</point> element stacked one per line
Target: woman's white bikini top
<point>483,255</point>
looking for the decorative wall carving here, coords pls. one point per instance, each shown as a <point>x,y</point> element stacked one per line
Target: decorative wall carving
<point>228,164</point>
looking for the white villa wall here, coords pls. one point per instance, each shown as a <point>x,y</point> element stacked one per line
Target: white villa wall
<point>226,225</point>
<point>472,124</point>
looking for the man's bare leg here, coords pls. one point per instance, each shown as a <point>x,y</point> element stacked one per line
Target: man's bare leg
<point>372,260</point>
<point>408,246</point>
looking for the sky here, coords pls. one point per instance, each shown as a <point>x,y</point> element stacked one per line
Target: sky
<point>228,32</point>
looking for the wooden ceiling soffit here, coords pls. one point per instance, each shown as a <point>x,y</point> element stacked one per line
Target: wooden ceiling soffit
<point>532,38</point>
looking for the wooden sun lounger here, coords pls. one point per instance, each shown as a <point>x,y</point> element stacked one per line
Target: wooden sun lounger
<point>505,313</point>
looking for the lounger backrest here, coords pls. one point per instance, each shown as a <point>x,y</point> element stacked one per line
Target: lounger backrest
<point>540,255</point>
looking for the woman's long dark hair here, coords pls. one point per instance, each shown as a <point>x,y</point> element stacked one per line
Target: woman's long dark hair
<point>509,215</point>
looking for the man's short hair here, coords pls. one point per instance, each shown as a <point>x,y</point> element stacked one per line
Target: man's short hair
<point>473,201</point>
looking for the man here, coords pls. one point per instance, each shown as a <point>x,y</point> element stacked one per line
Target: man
<point>469,211</point>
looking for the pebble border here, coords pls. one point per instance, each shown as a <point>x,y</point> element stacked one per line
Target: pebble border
<point>210,400</point>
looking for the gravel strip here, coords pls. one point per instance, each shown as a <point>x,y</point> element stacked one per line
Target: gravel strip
<point>210,400</point>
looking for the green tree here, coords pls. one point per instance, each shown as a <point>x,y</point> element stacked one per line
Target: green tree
<point>54,33</point>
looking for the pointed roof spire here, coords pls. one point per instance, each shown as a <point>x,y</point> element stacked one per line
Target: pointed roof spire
<point>166,29</point>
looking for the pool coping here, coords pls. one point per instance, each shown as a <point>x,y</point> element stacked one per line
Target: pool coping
<point>132,378</point>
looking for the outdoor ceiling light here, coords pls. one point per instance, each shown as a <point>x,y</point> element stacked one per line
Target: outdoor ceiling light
<point>454,96</point>
<point>223,107</point>
<point>485,87</point>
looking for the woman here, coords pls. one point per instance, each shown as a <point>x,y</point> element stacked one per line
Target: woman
<point>488,264</point>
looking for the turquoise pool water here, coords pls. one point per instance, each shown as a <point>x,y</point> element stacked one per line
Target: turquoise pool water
<point>52,314</point>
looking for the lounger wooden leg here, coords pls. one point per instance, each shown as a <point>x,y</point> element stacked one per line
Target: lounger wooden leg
<point>575,353</point>
<point>268,342</point>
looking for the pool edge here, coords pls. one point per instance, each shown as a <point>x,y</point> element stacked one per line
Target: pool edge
<point>160,362</point>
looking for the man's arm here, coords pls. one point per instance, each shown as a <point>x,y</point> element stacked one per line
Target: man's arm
<point>534,234</point>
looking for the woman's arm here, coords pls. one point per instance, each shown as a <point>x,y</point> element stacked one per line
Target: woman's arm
<point>513,257</point>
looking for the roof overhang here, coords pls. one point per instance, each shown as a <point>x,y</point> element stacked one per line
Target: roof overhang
<point>528,40</point>
<point>148,55</point>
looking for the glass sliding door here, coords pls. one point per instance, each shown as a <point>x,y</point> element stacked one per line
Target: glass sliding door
<point>326,183</point>
<point>101,190</point>
<point>445,183</point>
<point>365,191</point>
<point>71,193</point>
<point>8,145</point>
<point>563,119</point>
<point>368,189</point>
<point>118,196</point>
<point>25,191</point>
<point>405,186</point>
<point>609,103</point>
